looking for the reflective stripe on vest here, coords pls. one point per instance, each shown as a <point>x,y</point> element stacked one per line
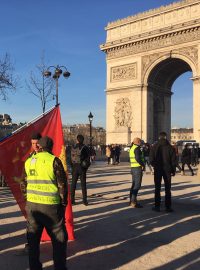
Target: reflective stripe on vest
<point>133,161</point>
<point>41,184</point>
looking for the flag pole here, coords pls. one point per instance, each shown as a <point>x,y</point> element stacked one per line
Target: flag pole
<point>32,121</point>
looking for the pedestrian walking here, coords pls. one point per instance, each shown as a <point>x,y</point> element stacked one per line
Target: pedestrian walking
<point>177,157</point>
<point>162,157</point>
<point>92,155</point>
<point>137,167</point>
<point>194,155</point>
<point>117,154</point>
<point>108,153</point>
<point>112,156</point>
<point>46,195</point>
<point>80,162</point>
<point>186,159</point>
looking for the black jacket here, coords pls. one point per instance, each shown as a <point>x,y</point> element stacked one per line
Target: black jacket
<point>85,152</point>
<point>186,156</point>
<point>162,156</point>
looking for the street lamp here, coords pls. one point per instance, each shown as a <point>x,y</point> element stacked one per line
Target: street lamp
<point>90,117</point>
<point>56,75</point>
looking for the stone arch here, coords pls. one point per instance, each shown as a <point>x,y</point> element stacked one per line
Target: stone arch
<point>159,79</point>
<point>158,59</point>
<point>140,51</point>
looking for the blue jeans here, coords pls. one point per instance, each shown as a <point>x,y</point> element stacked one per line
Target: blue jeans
<point>136,182</point>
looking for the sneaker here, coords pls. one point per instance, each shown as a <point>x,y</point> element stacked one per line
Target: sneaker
<point>85,203</point>
<point>136,205</point>
<point>169,210</point>
<point>156,208</point>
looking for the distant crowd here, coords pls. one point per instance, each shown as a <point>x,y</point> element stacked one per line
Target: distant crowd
<point>188,154</point>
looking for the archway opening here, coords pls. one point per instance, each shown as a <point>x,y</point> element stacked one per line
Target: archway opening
<point>182,102</point>
<point>160,82</point>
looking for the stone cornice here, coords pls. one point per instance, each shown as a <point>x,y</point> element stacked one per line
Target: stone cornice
<point>151,34</point>
<point>136,87</point>
<point>151,12</point>
<point>148,44</point>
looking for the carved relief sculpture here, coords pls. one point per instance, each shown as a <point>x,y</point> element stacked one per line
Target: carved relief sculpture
<point>125,72</point>
<point>123,113</point>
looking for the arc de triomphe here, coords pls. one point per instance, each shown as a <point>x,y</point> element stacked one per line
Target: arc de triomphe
<point>145,54</point>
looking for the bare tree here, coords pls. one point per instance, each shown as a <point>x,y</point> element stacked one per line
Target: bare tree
<point>39,85</point>
<point>8,82</point>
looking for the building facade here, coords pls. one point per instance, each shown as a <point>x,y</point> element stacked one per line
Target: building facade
<point>6,125</point>
<point>71,131</point>
<point>181,134</point>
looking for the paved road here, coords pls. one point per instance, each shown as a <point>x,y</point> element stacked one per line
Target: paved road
<point>112,235</point>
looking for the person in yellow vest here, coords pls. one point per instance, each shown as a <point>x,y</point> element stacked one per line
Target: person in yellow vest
<point>137,167</point>
<point>46,195</point>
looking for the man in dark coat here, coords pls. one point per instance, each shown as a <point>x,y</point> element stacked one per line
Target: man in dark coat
<point>163,158</point>
<point>186,158</point>
<point>79,155</point>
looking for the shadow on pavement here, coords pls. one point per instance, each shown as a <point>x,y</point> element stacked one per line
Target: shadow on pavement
<point>110,234</point>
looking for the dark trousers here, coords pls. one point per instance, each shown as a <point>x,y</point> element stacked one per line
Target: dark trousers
<point>78,171</point>
<point>51,217</point>
<point>108,160</point>
<point>158,175</point>
<point>136,183</point>
<point>189,166</point>
<point>117,158</point>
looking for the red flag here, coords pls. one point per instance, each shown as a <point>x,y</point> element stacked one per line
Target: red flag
<point>15,149</point>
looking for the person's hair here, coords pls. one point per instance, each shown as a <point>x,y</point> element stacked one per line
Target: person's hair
<point>36,136</point>
<point>80,138</point>
<point>163,135</point>
<point>137,141</point>
<point>46,143</point>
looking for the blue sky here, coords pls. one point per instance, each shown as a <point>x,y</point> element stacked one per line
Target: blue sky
<point>70,33</point>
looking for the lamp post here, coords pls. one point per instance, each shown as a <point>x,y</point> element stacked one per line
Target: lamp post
<point>90,117</point>
<point>58,70</point>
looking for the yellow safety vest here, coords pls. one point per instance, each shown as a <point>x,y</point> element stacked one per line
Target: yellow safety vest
<point>133,161</point>
<point>41,183</point>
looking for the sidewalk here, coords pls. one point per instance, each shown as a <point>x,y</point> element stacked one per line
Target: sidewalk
<point>112,235</point>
